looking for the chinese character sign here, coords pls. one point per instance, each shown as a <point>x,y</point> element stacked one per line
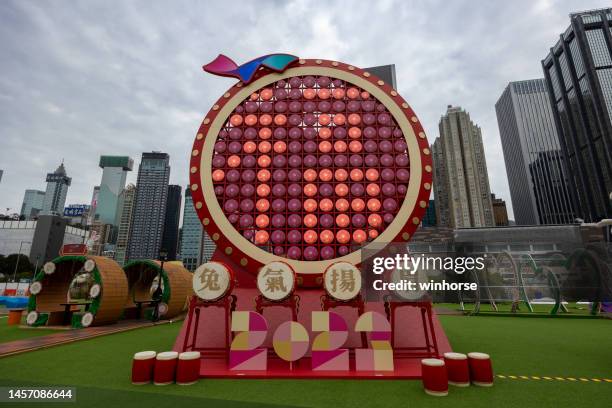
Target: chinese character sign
<point>342,281</point>
<point>276,280</point>
<point>212,281</point>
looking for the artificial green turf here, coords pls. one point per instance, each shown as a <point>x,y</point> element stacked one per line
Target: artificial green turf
<point>100,368</point>
<point>505,307</point>
<point>14,332</point>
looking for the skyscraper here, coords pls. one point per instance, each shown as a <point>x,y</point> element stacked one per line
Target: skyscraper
<point>114,173</point>
<point>191,242</point>
<point>461,181</point>
<point>149,207</point>
<point>93,205</point>
<point>32,203</point>
<point>534,164</point>
<point>126,211</point>
<point>57,188</point>
<point>500,212</point>
<point>170,236</point>
<point>578,72</point>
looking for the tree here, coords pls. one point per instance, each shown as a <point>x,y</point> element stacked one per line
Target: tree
<point>7,265</point>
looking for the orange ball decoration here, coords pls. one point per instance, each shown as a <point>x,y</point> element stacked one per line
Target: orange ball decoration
<point>280,147</point>
<point>265,147</point>
<point>310,175</point>
<point>263,190</point>
<point>250,120</point>
<point>254,96</point>
<point>310,205</point>
<point>233,161</point>
<point>355,146</point>
<point>265,133</point>
<point>343,236</point>
<point>358,205</point>
<point>373,189</point>
<point>265,119</point>
<point>354,132</point>
<point>280,119</point>
<point>261,237</point>
<point>325,147</point>
<point>365,95</point>
<point>356,175</point>
<point>372,234</point>
<point>262,205</point>
<point>326,204</point>
<point>372,174</point>
<point>218,175</point>
<point>338,93</point>
<point>310,237</point>
<point>341,175</point>
<point>375,220</point>
<point>339,119</point>
<point>324,119</point>
<point>342,205</point>
<point>266,94</point>
<point>264,160</point>
<point>262,221</point>
<point>325,133</point>
<point>309,93</point>
<point>352,93</point>
<point>324,93</point>
<point>263,175</point>
<point>249,147</point>
<point>343,220</point>
<point>340,146</point>
<point>325,175</point>
<point>310,190</point>
<point>354,119</point>
<point>359,236</point>
<point>310,220</point>
<point>373,204</point>
<point>326,236</point>
<point>236,120</point>
<point>341,190</point>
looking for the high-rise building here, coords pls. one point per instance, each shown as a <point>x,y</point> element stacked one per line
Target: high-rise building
<point>114,173</point>
<point>150,206</point>
<point>192,234</point>
<point>57,188</point>
<point>208,247</point>
<point>534,163</point>
<point>93,205</point>
<point>32,204</point>
<point>170,237</point>
<point>126,211</point>
<point>386,73</point>
<point>578,72</point>
<point>500,212</point>
<point>461,181</point>
<point>429,220</point>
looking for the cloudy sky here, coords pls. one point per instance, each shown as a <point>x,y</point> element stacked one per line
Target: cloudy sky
<point>79,79</point>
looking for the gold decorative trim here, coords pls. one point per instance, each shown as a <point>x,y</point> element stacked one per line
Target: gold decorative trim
<point>351,68</point>
<point>319,62</point>
<point>335,63</point>
<point>381,82</point>
<point>366,74</point>
<point>427,186</point>
<point>423,204</point>
<point>195,152</point>
<point>198,205</point>
<point>422,135</point>
<point>414,119</point>
<point>200,136</point>
<point>244,262</point>
<point>428,168</point>
<point>215,236</point>
<point>206,221</point>
<point>194,187</point>
<point>194,169</point>
<point>311,267</point>
<point>393,93</point>
<point>215,107</point>
<point>226,95</point>
<point>228,250</point>
<point>426,151</point>
<point>416,221</point>
<point>405,236</point>
<point>405,105</point>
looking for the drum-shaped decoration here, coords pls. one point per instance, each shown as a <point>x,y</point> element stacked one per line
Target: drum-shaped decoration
<point>162,309</point>
<point>308,165</point>
<point>95,290</point>
<point>89,265</point>
<point>49,268</point>
<point>87,319</point>
<point>342,281</point>
<point>35,288</point>
<point>276,281</point>
<point>32,317</point>
<point>212,281</point>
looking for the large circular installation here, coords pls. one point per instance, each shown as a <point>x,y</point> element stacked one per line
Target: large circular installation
<point>310,166</point>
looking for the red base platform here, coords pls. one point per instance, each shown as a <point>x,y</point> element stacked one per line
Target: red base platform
<point>408,324</point>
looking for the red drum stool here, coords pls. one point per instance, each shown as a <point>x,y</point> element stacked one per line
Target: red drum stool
<point>142,367</point>
<point>188,368</point>
<point>481,370</point>
<point>165,368</point>
<point>435,380</point>
<point>458,369</point>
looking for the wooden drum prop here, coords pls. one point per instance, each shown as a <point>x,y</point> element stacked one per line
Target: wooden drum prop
<point>481,369</point>
<point>142,367</point>
<point>308,166</point>
<point>107,291</point>
<point>435,380</point>
<point>212,281</point>
<point>176,285</point>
